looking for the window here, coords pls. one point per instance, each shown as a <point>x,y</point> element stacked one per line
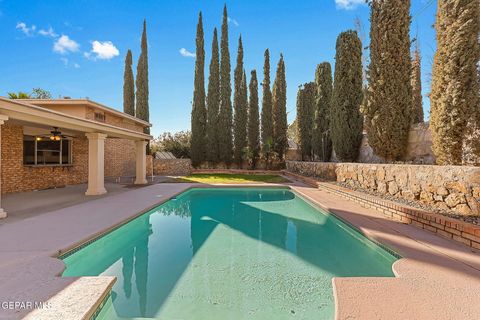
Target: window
<point>43,151</point>
<point>99,116</point>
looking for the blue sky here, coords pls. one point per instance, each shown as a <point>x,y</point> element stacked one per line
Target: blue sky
<point>76,48</point>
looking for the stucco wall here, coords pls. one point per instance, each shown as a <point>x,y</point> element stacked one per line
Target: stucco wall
<point>419,147</point>
<point>173,167</point>
<point>454,188</point>
<point>114,120</point>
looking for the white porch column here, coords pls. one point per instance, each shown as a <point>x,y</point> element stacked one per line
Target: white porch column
<point>141,162</point>
<point>3,118</point>
<point>96,160</point>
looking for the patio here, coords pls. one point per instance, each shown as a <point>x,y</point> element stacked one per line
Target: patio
<point>44,201</point>
<point>58,144</point>
<point>436,279</point>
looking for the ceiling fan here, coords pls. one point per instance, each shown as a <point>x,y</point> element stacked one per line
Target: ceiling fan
<point>55,135</point>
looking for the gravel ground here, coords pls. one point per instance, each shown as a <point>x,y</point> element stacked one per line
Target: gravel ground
<point>416,204</point>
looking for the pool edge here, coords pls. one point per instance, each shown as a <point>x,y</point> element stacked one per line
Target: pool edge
<point>100,303</point>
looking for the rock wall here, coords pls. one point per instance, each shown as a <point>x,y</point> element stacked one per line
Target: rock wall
<point>320,170</point>
<point>149,164</point>
<point>172,167</point>
<point>455,188</point>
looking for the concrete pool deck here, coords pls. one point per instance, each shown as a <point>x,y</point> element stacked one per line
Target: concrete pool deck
<point>437,279</point>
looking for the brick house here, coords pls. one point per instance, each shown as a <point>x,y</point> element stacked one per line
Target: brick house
<point>56,142</point>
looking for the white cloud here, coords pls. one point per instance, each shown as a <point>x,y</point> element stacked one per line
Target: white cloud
<point>65,61</point>
<point>102,50</point>
<point>76,65</point>
<point>48,33</point>
<point>64,45</point>
<point>184,52</point>
<point>28,31</point>
<point>348,4</point>
<point>235,22</point>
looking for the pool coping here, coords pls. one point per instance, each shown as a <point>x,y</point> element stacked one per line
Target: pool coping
<point>435,279</point>
<point>319,206</point>
<point>322,210</point>
<point>99,301</point>
<point>302,190</point>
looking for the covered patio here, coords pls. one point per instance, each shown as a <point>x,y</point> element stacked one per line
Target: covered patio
<point>37,122</point>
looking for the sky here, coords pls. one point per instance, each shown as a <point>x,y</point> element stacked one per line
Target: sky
<point>77,48</point>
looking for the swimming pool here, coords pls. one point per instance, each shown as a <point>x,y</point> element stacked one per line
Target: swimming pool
<point>229,253</point>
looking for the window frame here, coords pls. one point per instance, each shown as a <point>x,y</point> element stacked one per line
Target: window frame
<point>59,151</point>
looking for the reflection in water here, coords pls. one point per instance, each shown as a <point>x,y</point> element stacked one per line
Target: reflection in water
<point>227,253</point>
<point>141,270</point>
<point>127,271</point>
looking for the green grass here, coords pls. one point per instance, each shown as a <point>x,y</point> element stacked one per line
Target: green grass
<point>230,178</point>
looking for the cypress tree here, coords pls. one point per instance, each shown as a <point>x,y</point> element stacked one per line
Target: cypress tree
<point>199,112</point>
<point>389,98</point>
<point>305,117</point>
<point>240,107</point>
<point>128,86</point>
<point>322,143</point>
<point>142,108</point>
<point>417,103</point>
<point>267,121</point>
<point>346,120</point>
<point>213,103</point>
<point>225,113</point>
<point>279,101</point>
<point>253,120</point>
<point>455,92</point>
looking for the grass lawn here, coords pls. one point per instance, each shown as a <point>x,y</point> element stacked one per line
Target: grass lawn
<point>230,178</point>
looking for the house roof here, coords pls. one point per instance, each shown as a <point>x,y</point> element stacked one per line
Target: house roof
<point>164,155</point>
<point>88,102</point>
<point>25,112</point>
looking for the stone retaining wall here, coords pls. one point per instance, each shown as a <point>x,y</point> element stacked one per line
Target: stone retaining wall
<point>172,167</point>
<point>460,231</point>
<point>455,188</point>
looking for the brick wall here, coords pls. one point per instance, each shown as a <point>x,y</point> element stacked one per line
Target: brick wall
<point>16,177</point>
<point>119,161</point>
<point>119,157</point>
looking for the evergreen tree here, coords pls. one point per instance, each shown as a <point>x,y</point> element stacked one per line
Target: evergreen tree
<point>279,101</point>
<point>142,108</point>
<point>213,103</point>
<point>240,107</point>
<point>346,120</point>
<point>389,98</point>
<point>305,117</point>
<point>225,113</point>
<point>128,86</point>
<point>253,120</point>
<point>417,103</point>
<point>267,121</point>
<point>322,143</point>
<point>455,92</point>
<point>199,112</point>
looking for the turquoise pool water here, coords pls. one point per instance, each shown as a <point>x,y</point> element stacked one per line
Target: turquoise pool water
<point>230,253</point>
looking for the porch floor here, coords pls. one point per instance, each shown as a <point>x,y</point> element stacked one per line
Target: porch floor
<point>24,205</point>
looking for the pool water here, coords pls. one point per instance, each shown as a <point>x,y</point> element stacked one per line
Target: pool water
<point>229,253</point>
